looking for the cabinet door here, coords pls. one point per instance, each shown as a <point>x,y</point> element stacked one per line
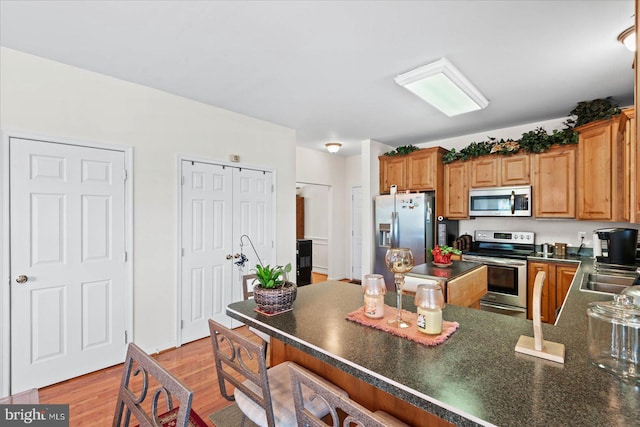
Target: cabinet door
<point>547,299</point>
<point>627,133</point>
<point>554,183</point>
<point>564,277</point>
<point>466,290</point>
<point>485,171</point>
<point>514,170</point>
<point>421,170</point>
<point>392,172</point>
<point>595,171</point>
<point>456,190</point>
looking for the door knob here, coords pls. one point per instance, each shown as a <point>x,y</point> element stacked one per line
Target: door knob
<point>236,256</point>
<point>229,256</point>
<point>22,279</point>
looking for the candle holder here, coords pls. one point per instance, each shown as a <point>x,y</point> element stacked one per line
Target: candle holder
<point>399,261</point>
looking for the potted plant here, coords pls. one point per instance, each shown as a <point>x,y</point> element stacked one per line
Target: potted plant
<point>442,254</point>
<point>274,293</point>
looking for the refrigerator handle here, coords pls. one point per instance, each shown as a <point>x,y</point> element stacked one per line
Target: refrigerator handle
<point>394,229</point>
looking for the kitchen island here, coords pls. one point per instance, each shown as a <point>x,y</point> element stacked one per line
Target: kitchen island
<point>463,282</point>
<point>473,378</point>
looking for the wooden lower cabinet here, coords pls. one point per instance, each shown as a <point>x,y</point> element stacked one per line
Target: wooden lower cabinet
<point>467,289</point>
<point>365,394</point>
<point>554,291</point>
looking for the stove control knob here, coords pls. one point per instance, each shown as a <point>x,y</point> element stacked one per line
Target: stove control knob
<point>515,236</point>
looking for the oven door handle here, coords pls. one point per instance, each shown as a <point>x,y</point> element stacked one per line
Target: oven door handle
<point>504,308</point>
<point>496,262</point>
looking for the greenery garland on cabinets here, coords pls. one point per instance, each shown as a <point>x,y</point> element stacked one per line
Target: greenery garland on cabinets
<point>402,150</point>
<point>538,140</point>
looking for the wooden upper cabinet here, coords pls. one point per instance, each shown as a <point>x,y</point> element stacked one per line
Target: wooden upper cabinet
<point>554,182</point>
<point>514,170</point>
<point>418,171</point>
<point>393,171</point>
<point>456,190</point>
<point>424,168</point>
<point>600,186</point>
<point>485,171</point>
<point>627,137</point>
<point>496,170</point>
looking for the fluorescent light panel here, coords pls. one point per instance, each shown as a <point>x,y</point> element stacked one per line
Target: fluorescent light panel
<point>443,86</point>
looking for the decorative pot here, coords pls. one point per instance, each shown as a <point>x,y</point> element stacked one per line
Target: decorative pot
<point>275,300</point>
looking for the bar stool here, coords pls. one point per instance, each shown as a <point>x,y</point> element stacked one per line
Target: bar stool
<point>302,380</point>
<point>263,395</point>
<point>157,383</point>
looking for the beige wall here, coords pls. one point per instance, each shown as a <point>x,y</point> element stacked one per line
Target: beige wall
<point>52,99</point>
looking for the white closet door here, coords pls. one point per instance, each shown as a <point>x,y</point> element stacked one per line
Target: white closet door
<point>252,207</point>
<point>207,282</point>
<point>68,304</point>
<point>219,205</point>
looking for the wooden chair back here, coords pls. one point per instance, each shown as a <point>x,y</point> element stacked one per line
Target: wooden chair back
<point>143,376</point>
<point>248,280</point>
<point>234,354</point>
<point>334,398</point>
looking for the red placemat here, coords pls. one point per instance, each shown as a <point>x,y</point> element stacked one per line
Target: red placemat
<point>410,333</point>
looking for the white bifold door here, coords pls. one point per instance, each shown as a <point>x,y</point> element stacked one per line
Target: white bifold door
<point>220,204</point>
<point>68,291</point>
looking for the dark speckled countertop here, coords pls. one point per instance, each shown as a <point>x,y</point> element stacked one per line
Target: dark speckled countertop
<point>457,268</point>
<point>475,377</point>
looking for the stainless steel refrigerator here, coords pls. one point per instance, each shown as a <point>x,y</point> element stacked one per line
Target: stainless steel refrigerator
<point>403,221</point>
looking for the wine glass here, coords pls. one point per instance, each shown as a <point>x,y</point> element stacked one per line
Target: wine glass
<point>400,261</point>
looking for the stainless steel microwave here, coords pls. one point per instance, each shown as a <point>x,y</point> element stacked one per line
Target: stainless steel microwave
<point>500,201</point>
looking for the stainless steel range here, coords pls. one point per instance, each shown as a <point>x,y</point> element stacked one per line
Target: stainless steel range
<point>505,254</point>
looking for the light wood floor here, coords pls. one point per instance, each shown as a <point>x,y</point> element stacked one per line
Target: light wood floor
<point>92,397</point>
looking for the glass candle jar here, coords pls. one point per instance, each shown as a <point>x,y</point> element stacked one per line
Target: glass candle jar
<point>429,302</point>
<point>374,289</point>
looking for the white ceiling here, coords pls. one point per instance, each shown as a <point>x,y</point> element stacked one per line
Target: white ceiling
<point>326,68</point>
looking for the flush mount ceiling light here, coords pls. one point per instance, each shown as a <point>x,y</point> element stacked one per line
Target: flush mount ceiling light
<point>628,38</point>
<point>333,147</point>
<point>444,87</point>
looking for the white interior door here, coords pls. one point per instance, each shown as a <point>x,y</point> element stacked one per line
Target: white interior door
<point>356,233</point>
<point>219,205</point>
<point>207,246</point>
<point>68,273</point>
<point>252,192</point>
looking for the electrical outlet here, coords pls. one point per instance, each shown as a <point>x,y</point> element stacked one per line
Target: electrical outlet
<point>234,157</point>
<point>582,235</point>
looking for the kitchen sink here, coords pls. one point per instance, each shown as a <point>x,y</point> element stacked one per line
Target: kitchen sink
<point>607,283</point>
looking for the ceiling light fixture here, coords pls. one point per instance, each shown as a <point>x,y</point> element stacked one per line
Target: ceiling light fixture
<point>628,38</point>
<point>444,87</point>
<point>333,147</point>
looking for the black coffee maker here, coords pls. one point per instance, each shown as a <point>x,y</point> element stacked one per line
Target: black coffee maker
<point>621,245</point>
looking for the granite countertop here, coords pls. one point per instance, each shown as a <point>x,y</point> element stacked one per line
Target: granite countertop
<point>475,377</point>
<point>430,271</point>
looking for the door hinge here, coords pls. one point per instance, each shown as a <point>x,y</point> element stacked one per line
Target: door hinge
<point>126,337</point>
<point>182,324</point>
<point>182,180</point>
<point>182,250</point>
<point>126,256</point>
<point>125,175</point>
